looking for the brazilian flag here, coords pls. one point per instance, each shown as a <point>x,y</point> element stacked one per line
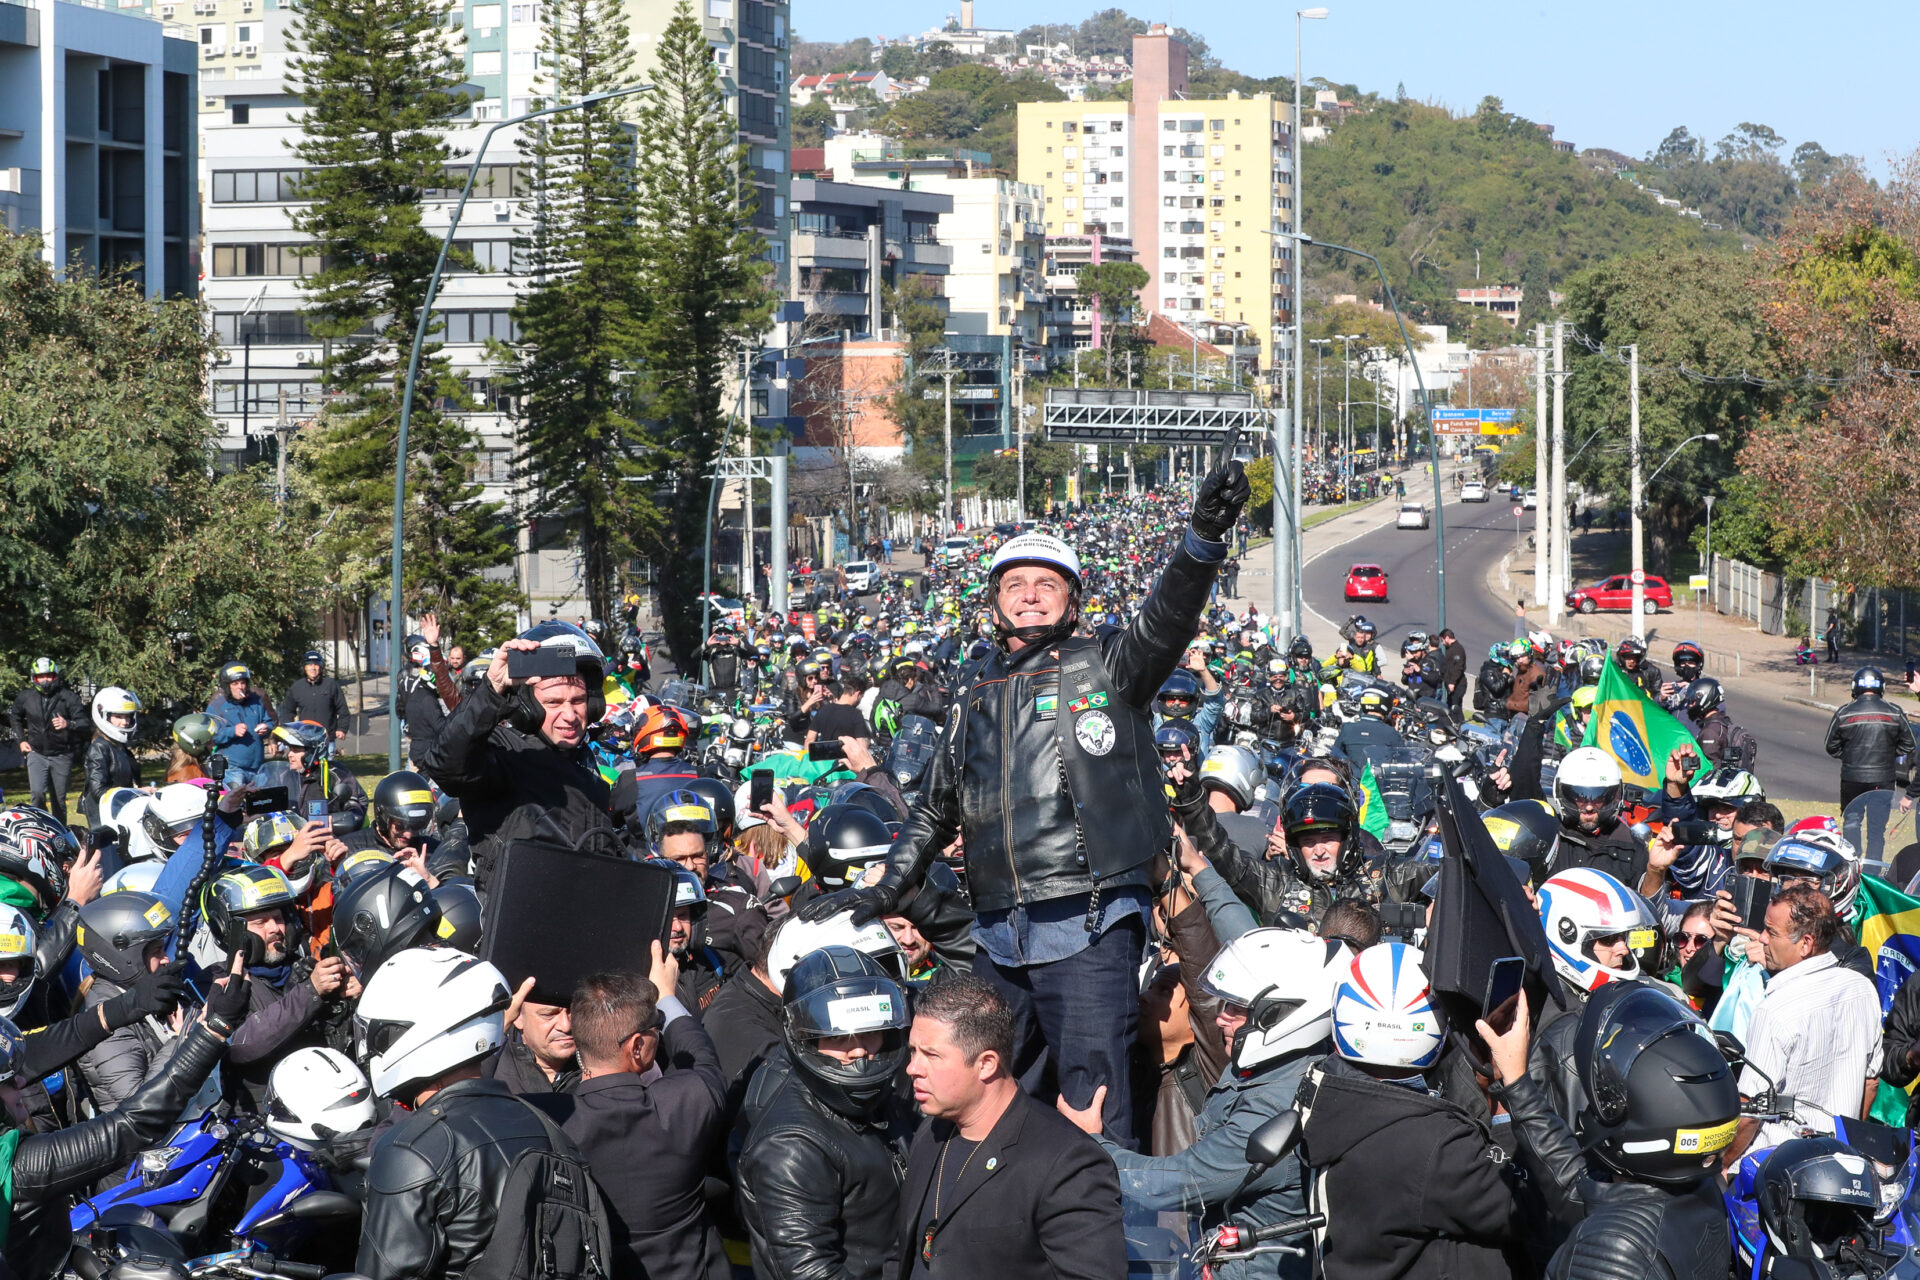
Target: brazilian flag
<point>1373,810</point>
<point>1887,922</point>
<point>1635,730</point>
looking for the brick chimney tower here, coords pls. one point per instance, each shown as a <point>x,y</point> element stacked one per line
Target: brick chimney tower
<point>1159,75</point>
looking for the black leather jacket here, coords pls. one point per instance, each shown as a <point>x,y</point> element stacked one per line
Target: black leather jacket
<point>1024,841</point>
<point>106,764</point>
<point>49,1167</point>
<point>1272,885</point>
<point>434,1187</point>
<point>1633,1231</point>
<point>1866,735</point>
<point>819,1191</point>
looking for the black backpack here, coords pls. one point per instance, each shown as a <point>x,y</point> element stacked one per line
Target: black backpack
<point>1741,749</point>
<point>552,1223</point>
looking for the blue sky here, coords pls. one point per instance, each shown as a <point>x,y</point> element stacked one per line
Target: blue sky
<point>1618,75</point>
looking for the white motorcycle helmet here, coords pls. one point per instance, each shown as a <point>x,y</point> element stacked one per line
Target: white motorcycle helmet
<point>425,1012</point>
<point>1579,906</point>
<point>1588,773</point>
<point>1383,1011</point>
<point>796,938</point>
<point>140,877</point>
<point>115,701</point>
<point>1234,771</point>
<point>316,1094</point>
<point>1284,979</point>
<point>170,813</point>
<point>17,940</point>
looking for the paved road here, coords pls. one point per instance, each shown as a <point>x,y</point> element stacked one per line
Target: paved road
<point>1793,761</point>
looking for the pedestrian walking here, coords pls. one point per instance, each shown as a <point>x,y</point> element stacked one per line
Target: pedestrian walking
<point>1832,635</point>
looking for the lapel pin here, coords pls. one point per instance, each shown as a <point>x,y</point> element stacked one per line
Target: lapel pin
<point>993,1162</point>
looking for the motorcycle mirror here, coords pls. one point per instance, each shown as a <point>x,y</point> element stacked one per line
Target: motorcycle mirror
<point>1269,1144</point>
<point>344,821</point>
<point>1730,1047</point>
<point>784,887</point>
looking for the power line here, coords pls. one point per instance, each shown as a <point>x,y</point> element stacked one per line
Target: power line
<point>1746,379</point>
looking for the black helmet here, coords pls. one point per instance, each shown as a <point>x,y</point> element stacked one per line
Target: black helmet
<point>1868,680</point>
<point>872,799</point>
<point>115,931</point>
<point>1702,696</point>
<point>247,891</point>
<point>1688,659</point>
<point>1319,806</point>
<point>459,925</point>
<point>1359,623</point>
<point>381,913</point>
<point>403,803</point>
<point>1528,830</point>
<point>1375,700</point>
<point>837,991</point>
<point>1630,647</point>
<point>720,799</point>
<point>1592,666</point>
<point>1815,1193</point>
<point>1175,734</point>
<point>1182,685</point>
<point>843,840</point>
<point>1301,648</point>
<point>679,811</point>
<point>1661,1101</point>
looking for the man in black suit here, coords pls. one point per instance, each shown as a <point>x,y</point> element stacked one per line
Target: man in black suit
<point>999,1185</point>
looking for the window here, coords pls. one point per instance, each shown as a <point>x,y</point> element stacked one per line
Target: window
<point>721,9</point>
<point>242,112</point>
<point>263,396</point>
<point>1218,150</point>
<point>264,260</point>
<point>1169,252</point>
<point>1219,125</point>
<point>1170,277</point>
<point>255,186</point>
<point>1069,127</point>
<point>524,13</point>
<point>265,328</point>
<point>493,255</point>
<point>1190,126</point>
<point>1166,151</point>
<point>1169,125</point>
<point>246,32</point>
<point>486,17</point>
<point>486,63</point>
<point>478,326</point>
<point>210,36</point>
<point>523,61</point>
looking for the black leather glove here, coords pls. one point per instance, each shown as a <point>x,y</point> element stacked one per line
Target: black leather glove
<point>868,902</point>
<point>1222,494</point>
<point>153,996</point>
<point>227,1004</point>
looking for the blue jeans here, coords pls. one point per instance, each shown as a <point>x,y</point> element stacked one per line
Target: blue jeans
<point>1074,1021</point>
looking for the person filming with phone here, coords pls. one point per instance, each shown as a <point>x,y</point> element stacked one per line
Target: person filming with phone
<point>515,750</point>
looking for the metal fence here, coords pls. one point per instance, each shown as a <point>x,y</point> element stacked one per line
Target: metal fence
<point>1872,618</point>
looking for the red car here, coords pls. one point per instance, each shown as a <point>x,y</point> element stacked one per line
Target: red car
<point>1617,593</point>
<point>1367,582</point>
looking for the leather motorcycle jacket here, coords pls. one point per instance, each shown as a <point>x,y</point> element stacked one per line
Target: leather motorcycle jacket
<point>1273,885</point>
<point>1004,775</point>
<point>1633,1231</point>
<point>820,1191</point>
<point>1866,736</point>
<point>434,1187</point>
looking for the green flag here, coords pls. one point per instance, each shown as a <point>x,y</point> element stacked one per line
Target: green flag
<point>1634,729</point>
<point>1373,810</point>
<point>1887,923</point>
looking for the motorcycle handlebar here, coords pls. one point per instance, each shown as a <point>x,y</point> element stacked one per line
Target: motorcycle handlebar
<point>1294,1227</point>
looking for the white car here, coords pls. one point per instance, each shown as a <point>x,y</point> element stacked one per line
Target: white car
<point>1530,500</point>
<point>954,549</point>
<point>1473,491</point>
<point>1412,516</point>
<point>863,576</point>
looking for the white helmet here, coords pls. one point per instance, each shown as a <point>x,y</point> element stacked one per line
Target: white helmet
<point>1383,1012</point>
<point>1589,773</point>
<point>797,938</point>
<point>315,1094</point>
<point>17,940</point>
<point>115,701</point>
<point>139,877</point>
<point>1036,548</point>
<point>743,814</point>
<point>1234,770</point>
<point>1284,979</point>
<point>171,812</point>
<point>425,1012</point>
<point>1728,786</point>
<point>1580,905</point>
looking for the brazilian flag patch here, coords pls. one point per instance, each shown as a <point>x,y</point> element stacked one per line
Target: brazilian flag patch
<point>1088,703</point>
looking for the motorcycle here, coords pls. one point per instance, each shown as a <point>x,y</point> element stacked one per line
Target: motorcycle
<point>1163,1215</point>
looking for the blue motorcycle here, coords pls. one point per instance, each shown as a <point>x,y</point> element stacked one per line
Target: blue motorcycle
<point>226,1184</point>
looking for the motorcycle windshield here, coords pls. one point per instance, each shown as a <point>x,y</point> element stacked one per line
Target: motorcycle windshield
<point>684,694</point>
<point>1160,1213</point>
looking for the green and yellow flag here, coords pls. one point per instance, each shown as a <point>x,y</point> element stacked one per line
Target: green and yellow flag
<point>1887,923</point>
<point>1634,729</point>
<point>1373,810</point>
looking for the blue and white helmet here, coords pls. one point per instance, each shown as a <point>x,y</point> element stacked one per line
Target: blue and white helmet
<point>1383,1010</point>
<point>1580,906</point>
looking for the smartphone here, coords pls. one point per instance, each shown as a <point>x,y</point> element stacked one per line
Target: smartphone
<point>1696,832</point>
<point>316,811</point>
<point>538,664</point>
<point>831,749</point>
<point>760,790</point>
<point>1751,898</point>
<point>266,800</point>
<point>1501,1002</point>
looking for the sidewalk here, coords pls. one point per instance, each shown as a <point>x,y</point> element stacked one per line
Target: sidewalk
<point>1256,567</point>
<point>1736,649</point>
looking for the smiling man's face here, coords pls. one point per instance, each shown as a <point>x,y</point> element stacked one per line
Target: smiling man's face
<point>1034,596</point>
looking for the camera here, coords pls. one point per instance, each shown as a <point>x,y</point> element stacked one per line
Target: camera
<point>1694,831</point>
<point>1401,919</point>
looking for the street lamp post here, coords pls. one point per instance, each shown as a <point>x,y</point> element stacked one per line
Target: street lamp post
<point>396,608</point>
<point>1346,402</point>
<point>1300,18</point>
<point>1706,563</point>
<point>1433,448</point>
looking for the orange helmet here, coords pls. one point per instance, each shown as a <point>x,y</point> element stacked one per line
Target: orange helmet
<point>662,728</point>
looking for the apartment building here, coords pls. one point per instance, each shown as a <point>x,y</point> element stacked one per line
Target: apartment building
<point>97,148</point>
<point>1195,185</point>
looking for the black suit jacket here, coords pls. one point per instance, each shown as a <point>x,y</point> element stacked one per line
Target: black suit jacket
<point>1039,1201</point>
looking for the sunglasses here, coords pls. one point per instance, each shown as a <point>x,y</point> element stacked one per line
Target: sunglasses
<point>1695,940</point>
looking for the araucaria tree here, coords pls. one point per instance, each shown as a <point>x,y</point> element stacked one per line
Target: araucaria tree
<point>704,279</point>
<point>379,79</point>
<point>579,321</point>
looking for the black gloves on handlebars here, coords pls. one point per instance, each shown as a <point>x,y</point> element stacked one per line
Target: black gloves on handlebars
<point>1217,506</point>
<point>154,996</point>
<point>868,902</point>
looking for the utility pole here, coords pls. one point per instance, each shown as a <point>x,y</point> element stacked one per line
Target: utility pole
<point>1020,436</point>
<point>746,484</point>
<point>1542,589</point>
<point>1639,578</point>
<point>282,430</point>
<point>1557,510</point>
<point>947,374</point>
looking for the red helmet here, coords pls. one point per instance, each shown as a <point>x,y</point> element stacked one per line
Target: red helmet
<point>662,728</point>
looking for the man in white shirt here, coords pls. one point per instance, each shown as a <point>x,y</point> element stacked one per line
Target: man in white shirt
<point>1816,1032</point>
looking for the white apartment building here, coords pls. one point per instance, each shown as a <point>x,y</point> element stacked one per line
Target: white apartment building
<point>999,250</point>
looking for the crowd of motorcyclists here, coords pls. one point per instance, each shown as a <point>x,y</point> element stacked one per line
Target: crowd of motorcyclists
<point>1043,842</point>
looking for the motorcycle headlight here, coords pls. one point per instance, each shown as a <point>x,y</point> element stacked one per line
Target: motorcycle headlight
<point>1402,831</point>
<point>1893,1190</point>
<point>155,1163</point>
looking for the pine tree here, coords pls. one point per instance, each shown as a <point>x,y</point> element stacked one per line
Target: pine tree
<point>379,80</point>
<point>580,319</point>
<point>705,282</point>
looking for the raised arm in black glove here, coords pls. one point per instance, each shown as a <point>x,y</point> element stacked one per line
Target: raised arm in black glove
<point>230,998</point>
<point>153,996</point>
<point>1222,494</point>
<point>867,902</point>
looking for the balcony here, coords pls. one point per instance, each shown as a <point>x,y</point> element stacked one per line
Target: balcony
<point>828,247</point>
<point>921,254</point>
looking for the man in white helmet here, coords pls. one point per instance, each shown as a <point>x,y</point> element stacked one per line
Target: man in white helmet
<point>1048,772</point>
